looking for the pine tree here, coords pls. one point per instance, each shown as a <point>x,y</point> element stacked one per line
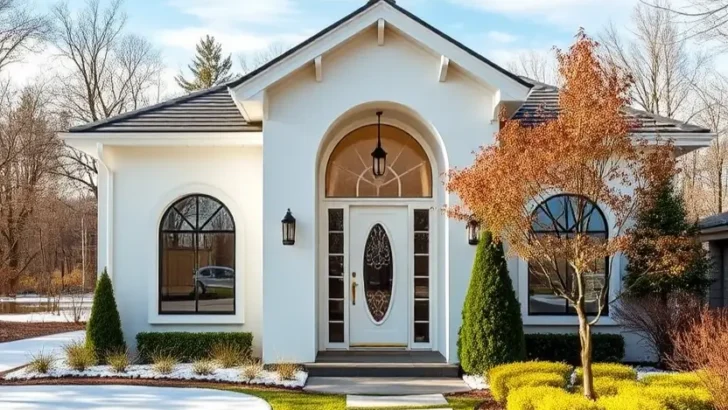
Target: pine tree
<point>665,217</point>
<point>103,330</point>
<point>492,329</point>
<point>208,68</point>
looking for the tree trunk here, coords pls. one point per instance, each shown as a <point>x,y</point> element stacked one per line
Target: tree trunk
<point>586,352</point>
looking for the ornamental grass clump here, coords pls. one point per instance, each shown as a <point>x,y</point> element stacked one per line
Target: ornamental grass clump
<point>227,355</point>
<point>118,360</point>
<point>203,367</point>
<point>163,363</point>
<point>41,363</point>
<point>79,356</point>
<point>499,376</point>
<point>704,347</point>
<point>252,370</point>
<point>286,370</point>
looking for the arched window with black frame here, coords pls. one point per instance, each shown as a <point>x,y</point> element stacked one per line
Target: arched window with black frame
<point>197,258</point>
<point>566,216</point>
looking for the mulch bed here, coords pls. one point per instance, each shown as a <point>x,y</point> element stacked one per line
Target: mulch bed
<point>488,403</point>
<point>10,331</point>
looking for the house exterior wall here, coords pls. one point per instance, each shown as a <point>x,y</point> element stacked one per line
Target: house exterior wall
<point>278,296</point>
<point>146,181</point>
<point>719,288</point>
<point>300,111</point>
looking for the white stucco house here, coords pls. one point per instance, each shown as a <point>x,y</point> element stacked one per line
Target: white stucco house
<point>192,193</point>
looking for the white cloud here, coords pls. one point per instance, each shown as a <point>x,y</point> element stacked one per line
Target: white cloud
<point>232,41</point>
<point>230,12</point>
<point>569,14</point>
<point>500,37</point>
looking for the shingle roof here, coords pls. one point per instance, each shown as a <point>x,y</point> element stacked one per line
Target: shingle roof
<point>211,110</point>
<point>543,104</point>
<point>714,221</point>
<point>214,110</point>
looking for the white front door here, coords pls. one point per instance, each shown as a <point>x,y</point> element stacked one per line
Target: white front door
<point>379,265</point>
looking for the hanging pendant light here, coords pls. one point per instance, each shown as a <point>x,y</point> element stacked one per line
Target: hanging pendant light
<point>379,155</point>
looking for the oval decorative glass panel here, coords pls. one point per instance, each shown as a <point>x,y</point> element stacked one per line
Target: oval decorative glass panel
<point>378,273</point>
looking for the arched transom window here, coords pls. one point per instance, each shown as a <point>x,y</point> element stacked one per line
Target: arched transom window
<point>565,216</point>
<point>349,170</point>
<point>197,258</point>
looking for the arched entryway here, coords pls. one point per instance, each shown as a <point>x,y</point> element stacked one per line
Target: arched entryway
<point>377,234</point>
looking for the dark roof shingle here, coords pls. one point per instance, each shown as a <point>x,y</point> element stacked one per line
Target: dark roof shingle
<point>211,110</point>
<point>714,221</point>
<point>543,104</point>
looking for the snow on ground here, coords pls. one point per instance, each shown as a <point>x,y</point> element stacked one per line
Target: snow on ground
<point>18,353</point>
<point>124,398</point>
<point>180,372</point>
<point>644,371</point>
<point>65,316</point>
<point>476,382</point>
<point>36,299</point>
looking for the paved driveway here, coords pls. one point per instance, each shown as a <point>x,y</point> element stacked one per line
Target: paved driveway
<point>18,353</point>
<point>124,398</point>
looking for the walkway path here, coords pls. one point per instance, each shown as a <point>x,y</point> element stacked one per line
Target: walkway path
<point>124,398</point>
<point>395,386</point>
<point>18,353</point>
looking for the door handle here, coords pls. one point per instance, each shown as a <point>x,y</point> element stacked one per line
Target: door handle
<point>353,288</point>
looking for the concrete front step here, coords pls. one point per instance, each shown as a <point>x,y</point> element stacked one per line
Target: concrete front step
<point>381,370</point>
<point>381,364</point>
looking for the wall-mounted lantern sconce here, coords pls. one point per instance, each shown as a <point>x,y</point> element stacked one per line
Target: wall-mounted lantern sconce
<point>473,229</point>
<point>288,225</point>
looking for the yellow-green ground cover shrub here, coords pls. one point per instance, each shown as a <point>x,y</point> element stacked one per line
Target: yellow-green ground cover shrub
<point>613,394</point>
<point>677,397</point>
<point>500,376</point>
<point>523,398</point>
<point>612,370</point>
<point>629,402</point>
<point>537,379</point>
<point>689,380</point>
<point>607,386</point>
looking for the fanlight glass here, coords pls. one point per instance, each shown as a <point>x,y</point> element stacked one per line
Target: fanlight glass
<point>349,173</point>
<point>378,273</point>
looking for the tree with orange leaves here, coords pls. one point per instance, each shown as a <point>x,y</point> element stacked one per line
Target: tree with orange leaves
<point>588,153</point>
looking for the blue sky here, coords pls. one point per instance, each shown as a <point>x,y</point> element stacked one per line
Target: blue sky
<point>499,29</point>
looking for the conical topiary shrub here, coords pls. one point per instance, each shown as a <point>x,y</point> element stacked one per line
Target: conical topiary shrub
<point>103,330</point>
<point>492,329</point>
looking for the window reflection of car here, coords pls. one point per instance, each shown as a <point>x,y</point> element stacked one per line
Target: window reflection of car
<point>211,277</point>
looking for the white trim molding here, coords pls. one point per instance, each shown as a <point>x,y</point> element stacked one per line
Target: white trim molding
<point>380,32</point>
<point>486,74</point>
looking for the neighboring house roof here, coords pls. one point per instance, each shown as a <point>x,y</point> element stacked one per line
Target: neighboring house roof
<point>714,221</point>
<point>542,104</point>
<point>210,110</point>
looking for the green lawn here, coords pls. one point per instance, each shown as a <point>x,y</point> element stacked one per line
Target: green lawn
<point>294,400</point>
